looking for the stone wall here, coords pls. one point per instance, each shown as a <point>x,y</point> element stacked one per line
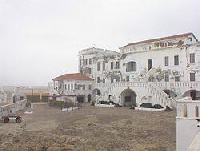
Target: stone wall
<point>12,108</point>
<point>187,122</point>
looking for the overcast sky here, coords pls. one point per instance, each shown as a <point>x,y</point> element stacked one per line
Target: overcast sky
<point>40,39</point>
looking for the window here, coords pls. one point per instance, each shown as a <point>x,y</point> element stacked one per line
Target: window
<point>85,61</point>
<point>78,87</point>
<point>111,65</point>
<point>103,80</point>
<point>81,71</point>
<point>90,71</point>
<point>162,44</point>
<point>68,87</point>
<point>197,111</point>
<point>185,110</point>
<point>156,44</point>
<point>89,87</point>
<point>131,66</point>
<point>72,86</point>
<point>112,80</point>
<point>166,61</point>
<point>98,66</point>
<point>127,78</point>
<point>192,76</point>
<point>117,65</point>
<point>98,80</point>
<point>190,38</point>
<point>166,77</point>
<point>118,79</point>
<point>149,64</point>
<point>149,47</point>
<point>65,86</point>
<point>104,65</point>
<point>90,61</point>
<point>177,79</point>
<point>170,43</point>
<point>192,58</point>
<point>83,87</point>
<point>176,60</point>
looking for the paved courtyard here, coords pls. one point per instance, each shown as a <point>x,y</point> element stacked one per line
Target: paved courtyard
<point>90,129</point>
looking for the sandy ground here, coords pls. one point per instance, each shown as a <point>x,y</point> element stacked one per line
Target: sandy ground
<point>90,129</point>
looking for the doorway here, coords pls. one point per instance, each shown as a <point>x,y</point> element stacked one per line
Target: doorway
<point>149,64</point>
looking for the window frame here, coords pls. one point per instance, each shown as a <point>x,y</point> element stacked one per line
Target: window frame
<point>98,66</point>
<point>192,57</point>
<point>166,77</point>
<point>177,79</point>
<point>166,60</point>
<point>176,60</point>
<point>98,80</point>
<point>192,77</point>
<point>131,66</point>
<point>111,65</point>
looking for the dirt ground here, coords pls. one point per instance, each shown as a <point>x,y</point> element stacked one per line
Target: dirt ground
<point>90,129</point>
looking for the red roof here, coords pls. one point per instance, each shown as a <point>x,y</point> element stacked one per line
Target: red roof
<point>73,76</point>
<point>159,39</point>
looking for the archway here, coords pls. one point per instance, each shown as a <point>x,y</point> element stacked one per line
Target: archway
<point>89,98</point>
<point>194,94</point>
<point>128,97</point>
<point>144,99</point>
<point>96,92</point>
<point>80,98</point>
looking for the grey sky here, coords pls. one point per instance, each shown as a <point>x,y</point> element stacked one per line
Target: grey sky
<point>40,39</point>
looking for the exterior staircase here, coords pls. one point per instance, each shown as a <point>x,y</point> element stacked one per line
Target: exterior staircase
<point>152,90</point>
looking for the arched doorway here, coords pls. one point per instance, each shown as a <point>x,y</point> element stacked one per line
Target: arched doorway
<point>89,98</point>
<point>144,99</point>
<point>80,98</point>
<point>128,97</point>
<point>96,92</point>
<point>194,94</point>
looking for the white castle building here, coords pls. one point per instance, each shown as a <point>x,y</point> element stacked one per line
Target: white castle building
<point>157,71</point>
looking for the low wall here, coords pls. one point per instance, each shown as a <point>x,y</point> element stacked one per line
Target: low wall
<point>12,108</point>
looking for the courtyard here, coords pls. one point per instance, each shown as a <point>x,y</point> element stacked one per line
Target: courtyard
<point>89,129</point>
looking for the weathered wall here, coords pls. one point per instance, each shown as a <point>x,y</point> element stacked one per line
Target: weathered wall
<point>12,108</point>
<point>187,128</point>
